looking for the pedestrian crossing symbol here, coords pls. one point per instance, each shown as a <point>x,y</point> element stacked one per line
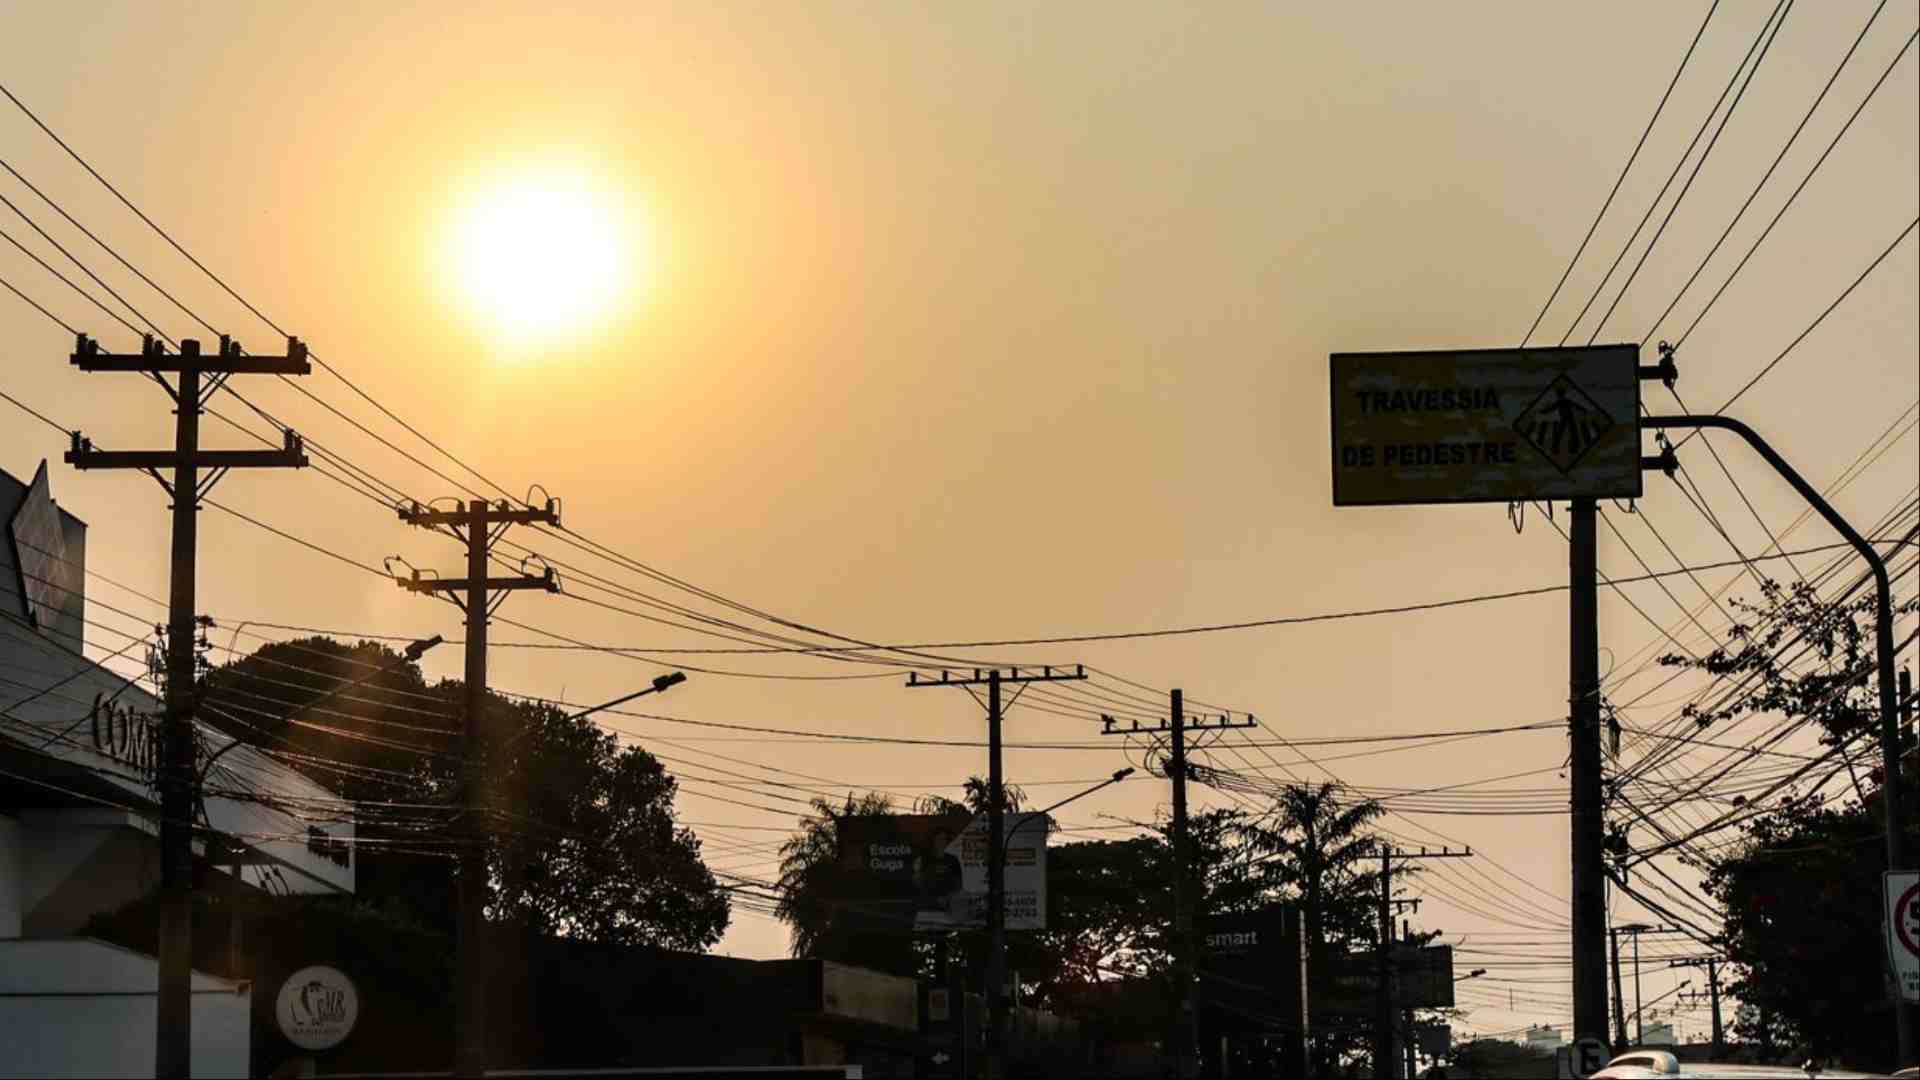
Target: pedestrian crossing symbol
<point>1563,423</point>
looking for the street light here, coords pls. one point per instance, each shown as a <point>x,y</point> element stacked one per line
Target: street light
<point>661,684</point>
<point>1474,974</point>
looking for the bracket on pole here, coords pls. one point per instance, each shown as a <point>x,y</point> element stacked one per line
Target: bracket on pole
<point>1665,370</point>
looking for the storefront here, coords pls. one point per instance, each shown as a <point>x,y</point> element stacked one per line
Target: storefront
<point>77,831</point>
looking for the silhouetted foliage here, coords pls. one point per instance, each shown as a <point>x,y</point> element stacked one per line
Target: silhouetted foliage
<point>1800,888</point>
<point>581,835</point>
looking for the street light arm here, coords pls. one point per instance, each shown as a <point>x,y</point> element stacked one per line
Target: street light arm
<point>1883,639</point>
<point>661,684</point>
<point>1042,814</point>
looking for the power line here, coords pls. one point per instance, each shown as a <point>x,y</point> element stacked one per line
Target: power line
<point>1621,179</point>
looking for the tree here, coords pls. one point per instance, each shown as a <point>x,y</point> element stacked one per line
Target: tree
<point>1800,889</point>
<point>818,896</point>
<point>1317,852</point>
<point>1799,896</point>
<point>581,835</point>
<point>585,844</point>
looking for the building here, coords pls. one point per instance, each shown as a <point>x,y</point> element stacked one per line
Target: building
<point>78,833</point>
<point>1659,1035</point>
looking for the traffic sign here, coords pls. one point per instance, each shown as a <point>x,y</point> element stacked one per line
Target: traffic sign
<point>1485,425</point>
<point>1903,931</point>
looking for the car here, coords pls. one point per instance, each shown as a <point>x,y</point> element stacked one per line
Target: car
<point>1648,1064</point>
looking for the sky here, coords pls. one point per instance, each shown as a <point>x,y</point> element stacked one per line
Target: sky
<point>950,323</point>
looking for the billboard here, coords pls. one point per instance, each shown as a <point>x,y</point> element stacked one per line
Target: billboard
<point>1485,425</point>
<point>1252,970</point>
<point>928,872</point>
<point>47,577</point>
<point>1424,981</point>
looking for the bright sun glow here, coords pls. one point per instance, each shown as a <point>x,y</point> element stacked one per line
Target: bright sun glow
<point>541,255</point>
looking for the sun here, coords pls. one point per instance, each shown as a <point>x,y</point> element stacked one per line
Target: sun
<point>539,255</point>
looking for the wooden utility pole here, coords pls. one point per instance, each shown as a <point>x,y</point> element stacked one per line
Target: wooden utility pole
<point>1188,892</point>
<point>177,777</point>
<point>996,974</point>
<point>477,523</point>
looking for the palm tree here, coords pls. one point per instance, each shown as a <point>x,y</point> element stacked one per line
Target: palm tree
<point>812,883</point>
<point>1318,850</point>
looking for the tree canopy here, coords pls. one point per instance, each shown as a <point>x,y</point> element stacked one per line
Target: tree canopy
<point>1799,888</point>
<point>580,829</point>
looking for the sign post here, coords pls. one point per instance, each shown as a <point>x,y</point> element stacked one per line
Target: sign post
<point>1513,425</point>
<point>1903,931</point>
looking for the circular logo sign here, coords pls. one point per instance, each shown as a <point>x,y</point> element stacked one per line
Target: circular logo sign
<point>1906,919</point>
<point>317,1007</point>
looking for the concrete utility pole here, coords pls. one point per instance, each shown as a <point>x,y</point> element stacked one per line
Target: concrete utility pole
<point>177,775</point>
<point>996,974</point>
<point>479,524</point>
<point>1588,820</point>
<point>1619,1003</point>
<point>1891,795</point>
<point>1186,891</point>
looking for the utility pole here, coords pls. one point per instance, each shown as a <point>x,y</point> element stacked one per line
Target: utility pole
<point>477,523</point>
<point>177,776</point>
<point>1588,822</point>
<point>993,679</point>
<point>1187,893</point>
<point>1406,1015</point>
<point>1619,1005</point>
<point>1712,964</point>
<point>1634,930</point>
<point>1385,1057</point>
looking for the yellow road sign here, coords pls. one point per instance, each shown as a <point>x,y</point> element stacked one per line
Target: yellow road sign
<point>1485,425</point>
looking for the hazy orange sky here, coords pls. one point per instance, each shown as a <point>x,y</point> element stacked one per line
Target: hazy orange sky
<point>983,321</point>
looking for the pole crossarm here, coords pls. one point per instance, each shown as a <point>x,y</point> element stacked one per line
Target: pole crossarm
<point>501,513</point>
<point>982,676</point>
<point>230,360</point>
<point>84,456</point>
<point>1110,726</point>
<point>419,584</point>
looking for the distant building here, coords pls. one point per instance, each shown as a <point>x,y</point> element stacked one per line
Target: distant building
<point>1659,1035</point>
<point>1545,1037</point>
